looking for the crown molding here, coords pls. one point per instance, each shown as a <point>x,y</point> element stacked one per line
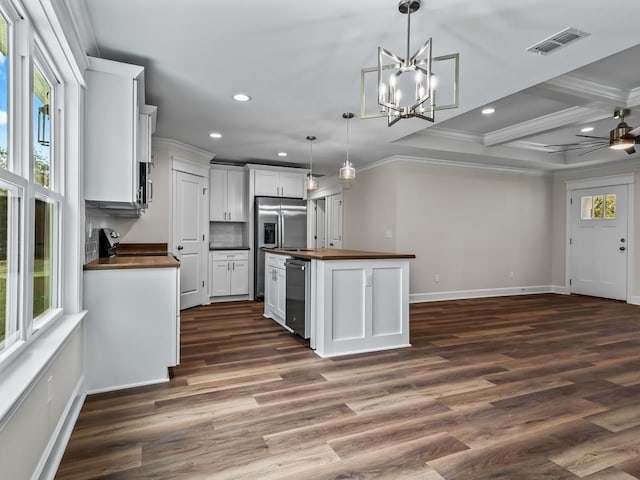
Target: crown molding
<point>633,100</point>
<point>450,163</point>
<point>589,89</point>
<point>169,142</point>
<point>542,124</point>
<point>456,135</point>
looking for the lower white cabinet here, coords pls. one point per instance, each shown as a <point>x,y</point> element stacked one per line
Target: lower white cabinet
<point>275,287</point>
<point>132,329</point>
<point>228,273</point>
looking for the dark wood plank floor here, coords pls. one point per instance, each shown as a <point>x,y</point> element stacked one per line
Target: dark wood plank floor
<point>529,387</point>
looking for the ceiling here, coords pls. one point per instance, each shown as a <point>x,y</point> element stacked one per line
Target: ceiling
<point>300,61</point>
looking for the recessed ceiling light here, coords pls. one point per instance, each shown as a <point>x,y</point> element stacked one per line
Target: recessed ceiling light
<point>215,135</point>
<point>586,129</point>
<point>488,111</point>
<point>241,97</point>
<point>282,154</point>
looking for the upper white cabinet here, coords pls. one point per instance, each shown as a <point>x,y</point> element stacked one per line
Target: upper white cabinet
<point>115,93</point>
<point>273,183</point>
<point>227,195</point>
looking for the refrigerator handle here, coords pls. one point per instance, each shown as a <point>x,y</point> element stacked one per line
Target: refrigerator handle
<point>281,238</point>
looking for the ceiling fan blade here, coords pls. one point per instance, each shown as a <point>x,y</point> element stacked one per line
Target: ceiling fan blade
<point>630,150</point>
<point>599,148</point>
<point>572,147</point>
<point>591,136</point>
<point>578,145</point>
<point>635,132</point>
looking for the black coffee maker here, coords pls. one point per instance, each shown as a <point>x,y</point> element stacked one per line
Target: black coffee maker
<point>107,241</point>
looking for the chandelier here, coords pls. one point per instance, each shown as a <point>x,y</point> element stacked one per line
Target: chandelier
<point>407,87</point>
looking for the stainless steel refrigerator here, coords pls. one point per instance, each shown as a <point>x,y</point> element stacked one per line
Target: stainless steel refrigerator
<point>279,223</point>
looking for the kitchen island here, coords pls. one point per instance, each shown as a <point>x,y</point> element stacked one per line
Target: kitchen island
<point>358,300</point>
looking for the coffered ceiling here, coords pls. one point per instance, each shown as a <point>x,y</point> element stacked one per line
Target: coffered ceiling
<point>300,61</point>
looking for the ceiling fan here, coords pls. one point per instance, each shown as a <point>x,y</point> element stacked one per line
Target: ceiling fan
<point>623,137</point>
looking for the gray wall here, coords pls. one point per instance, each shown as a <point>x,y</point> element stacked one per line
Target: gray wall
<point>472,226</point>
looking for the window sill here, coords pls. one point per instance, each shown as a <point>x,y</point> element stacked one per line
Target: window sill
<point>20,374</point>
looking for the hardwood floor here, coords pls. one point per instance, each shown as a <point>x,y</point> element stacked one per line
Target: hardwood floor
<point>528,387</point>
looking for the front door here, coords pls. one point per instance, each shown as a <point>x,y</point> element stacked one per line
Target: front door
<point>189,219</point>
<point>599,245</point>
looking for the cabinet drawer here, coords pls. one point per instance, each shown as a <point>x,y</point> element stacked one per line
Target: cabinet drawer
<point>276,260</point>
<point>229,255</point>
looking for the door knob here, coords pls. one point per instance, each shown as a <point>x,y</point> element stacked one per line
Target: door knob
<point>622,249</point>
<point>622,240</point>
<point>180,247</point>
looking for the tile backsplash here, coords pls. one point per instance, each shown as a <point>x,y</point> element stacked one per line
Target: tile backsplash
<point>227,234</point>
<point>90,245</point>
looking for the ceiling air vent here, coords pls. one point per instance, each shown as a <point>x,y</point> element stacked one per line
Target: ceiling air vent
<point>559,40</point>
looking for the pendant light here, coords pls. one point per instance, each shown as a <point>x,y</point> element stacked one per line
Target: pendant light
<point>312,183</point>
<point>347,171</point>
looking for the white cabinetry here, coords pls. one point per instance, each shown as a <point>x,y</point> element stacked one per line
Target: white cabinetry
<point>273,183</point>
<point>275,287</point>
<point>227,195</point>
<point>132,330</point>
<point>360,305</point>
<point>114,95</point>
<point>228,273</point>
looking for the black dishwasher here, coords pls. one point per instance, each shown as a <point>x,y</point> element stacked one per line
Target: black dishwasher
<point>297,316</point>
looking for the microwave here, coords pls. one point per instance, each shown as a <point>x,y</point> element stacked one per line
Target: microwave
<point>145,188</point>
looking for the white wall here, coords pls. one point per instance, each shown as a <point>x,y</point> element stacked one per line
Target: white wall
<point>370,210</point>
<point>26,435</point>
<point>471,226</point>
<point>154,226</point>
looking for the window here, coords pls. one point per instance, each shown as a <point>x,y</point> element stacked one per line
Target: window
<point>598,207</point>
<point>43,271</point>
<point>42,128</point>
<point>10,214</point>
<point>30,198</point>
<point>4,91</point>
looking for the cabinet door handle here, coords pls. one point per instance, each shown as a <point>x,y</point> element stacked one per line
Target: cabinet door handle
<point>228,267</point>
<point>229,215</point>
<point>234,266</point>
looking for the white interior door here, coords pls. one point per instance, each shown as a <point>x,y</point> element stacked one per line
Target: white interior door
<point>320,223</point>
<point>189,220</point>
<point>599,244</point>
<point>334,217</point>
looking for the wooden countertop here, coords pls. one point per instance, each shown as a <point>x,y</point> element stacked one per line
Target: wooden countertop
<point>337,254</point>
<point>133,261</point>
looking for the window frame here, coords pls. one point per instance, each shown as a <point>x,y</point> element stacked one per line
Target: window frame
<point>25,51</point>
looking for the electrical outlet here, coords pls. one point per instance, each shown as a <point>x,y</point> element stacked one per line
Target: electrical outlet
<point>437,277</point>
<point>388,234</point>
<point>510,274</point>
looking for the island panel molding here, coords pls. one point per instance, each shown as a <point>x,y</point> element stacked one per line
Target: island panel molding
<point>359,300</point>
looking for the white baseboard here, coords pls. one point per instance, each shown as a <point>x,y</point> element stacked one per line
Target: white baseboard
<point>52,455</point>
<point>484,292</point>
<point>232,298</point>
<point>130,385</point>
<point>634,300</point>
<point>560,289</point>
<point>363,350</point>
